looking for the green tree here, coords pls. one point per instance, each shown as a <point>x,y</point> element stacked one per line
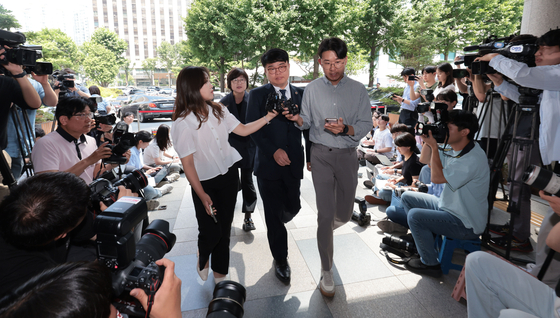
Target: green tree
<point>169,56</point>
<point>213,28</point>
<point>58,48</point>
<point>7,19</point>
<point>315,21</point>
<point>149,65</point>
<point>377,27</point>
<point>100,64</point>
<point>111,41</point>
<point>127,69</point>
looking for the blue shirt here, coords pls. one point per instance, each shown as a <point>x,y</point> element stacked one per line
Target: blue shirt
<point>406,95</point>
<point>546,78</point>
<point>136,158</point>
<point>465,195</point>
<point>13,141</point>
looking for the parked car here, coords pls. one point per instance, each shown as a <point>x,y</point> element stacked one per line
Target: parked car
<point>375,97</point>
<point>166,91</point>
<point>154,88</point>
<point>136,91</point>
<point>149,107</point>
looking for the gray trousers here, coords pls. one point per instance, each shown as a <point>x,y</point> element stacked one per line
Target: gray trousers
<point>552,274</point>
<point>335,177</point>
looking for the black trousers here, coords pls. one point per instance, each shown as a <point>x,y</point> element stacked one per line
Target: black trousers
<point>248,190</point>
<point>281,203</point>
<point>213,238</point>
<point>409,118</point>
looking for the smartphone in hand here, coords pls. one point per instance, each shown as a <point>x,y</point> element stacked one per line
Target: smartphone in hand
<point>331,120</point>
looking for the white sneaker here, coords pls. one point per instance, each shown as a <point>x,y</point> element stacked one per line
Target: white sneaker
<point>152,204</point>
<point>173,177</point>
<point>166,189</point>
<point>326,285</point>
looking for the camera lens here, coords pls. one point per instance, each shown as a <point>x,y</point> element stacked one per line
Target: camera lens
<point>542,179</point>
<point>228,300</point>
<point>156,241</point>
<point>134,181</point>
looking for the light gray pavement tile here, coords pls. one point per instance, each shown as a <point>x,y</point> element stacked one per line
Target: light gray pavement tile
<point>183,248</point>
<point>435,293</point>
<point>197,313</point>
<point>384,297</point>
<point>346,247</point>
<point>251,264</point>
<point>186,235</point>
<point>195,293</point>
<point>309,304</point>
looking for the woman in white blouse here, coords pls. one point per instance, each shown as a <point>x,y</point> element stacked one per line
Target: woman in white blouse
<point>200,133</point>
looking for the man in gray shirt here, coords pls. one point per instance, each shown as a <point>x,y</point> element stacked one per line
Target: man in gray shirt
<point>336,110</point>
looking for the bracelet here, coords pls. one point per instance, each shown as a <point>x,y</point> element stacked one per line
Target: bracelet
<point>395,171</point>
<point>267,122</point>
<point>20,75</point>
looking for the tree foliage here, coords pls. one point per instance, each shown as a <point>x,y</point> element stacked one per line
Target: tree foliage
<point>58,48</point>
<point>7,19</point>
<point>377,27</point>
<point>169,56</point>
<point>111,41</point>
<point>149,65</point>
<point>100,63</point>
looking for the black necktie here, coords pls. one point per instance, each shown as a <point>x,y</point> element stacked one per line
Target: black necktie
<point>283,92</point>
<point>78,149</point>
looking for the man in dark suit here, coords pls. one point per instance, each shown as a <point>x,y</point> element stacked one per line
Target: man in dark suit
<point>279,158</point>
<point>236,102</point>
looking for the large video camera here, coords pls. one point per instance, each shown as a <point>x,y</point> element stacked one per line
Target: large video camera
<point>129,255</point>
<point>24,55</point>
<point>519,50</point>
<point>441,116</point>
<point>122,141</point>
<point>65,81</point>
<point>274,102</point>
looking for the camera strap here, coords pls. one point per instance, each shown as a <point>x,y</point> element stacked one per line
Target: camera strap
<point>386,250</point>
<point>463,152</point>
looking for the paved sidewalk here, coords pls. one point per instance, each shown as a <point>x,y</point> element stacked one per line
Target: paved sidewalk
<point>367,285</point>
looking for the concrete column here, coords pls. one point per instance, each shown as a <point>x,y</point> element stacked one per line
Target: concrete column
<point>539,16</point>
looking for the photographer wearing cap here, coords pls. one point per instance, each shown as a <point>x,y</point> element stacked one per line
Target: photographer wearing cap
<point>462,209</point>
<point>409,115</point>
<point>69,148</point>
<point>14,88</point>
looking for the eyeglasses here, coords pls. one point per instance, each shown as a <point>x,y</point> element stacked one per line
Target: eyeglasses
<point>83,115</point>
<point>279,69</point>
<point>239,80</point>
<point>337,64</point>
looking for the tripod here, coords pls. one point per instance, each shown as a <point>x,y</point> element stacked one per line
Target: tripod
<point>25,135</point>
<point>528,104</point>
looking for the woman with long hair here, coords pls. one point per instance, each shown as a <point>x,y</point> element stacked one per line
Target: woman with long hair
<point>236,102</point>
<point>157,154</point>
<point>103,107</point>
<point>200,130</point>
<point>444,73</point>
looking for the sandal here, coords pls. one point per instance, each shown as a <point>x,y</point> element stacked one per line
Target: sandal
<point>248,225</point>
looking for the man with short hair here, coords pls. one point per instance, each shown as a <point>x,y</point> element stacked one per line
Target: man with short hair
<point>69,148</point>
<point>279,157</point>
<point>461,210</point>
<point>334,164</point>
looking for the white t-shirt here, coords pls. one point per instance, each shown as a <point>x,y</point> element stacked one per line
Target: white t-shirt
<point>493,116</point>
<point>209,144</point>
<point>151,153</point>
<point>383,139</point>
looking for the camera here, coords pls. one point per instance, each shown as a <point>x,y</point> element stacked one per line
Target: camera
<point>460,73</point>
<point>363,218</point>
<point>24,55</point>
<point>274,102</point>
<point>228,300</point>
<point>102,190</point>
<point>481,68</point>
<point>65,81</point>
<point>542,179</point>
<point>122,141</point>
<point>399,243</point>
<point>430,104</point>
<point>412,78</point>
<point>441,116</point>
<point>129,254</point>
<point>467,59</point>
<point>422,187</point>
<point>109,119</point>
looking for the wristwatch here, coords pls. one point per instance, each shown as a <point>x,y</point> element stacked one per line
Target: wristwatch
<point>395,171</point>
<point>345,130</point>
<point>375,150</point>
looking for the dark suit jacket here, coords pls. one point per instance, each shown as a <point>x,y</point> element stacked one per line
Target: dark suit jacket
<point>244,145</point>
<point>279,134</point>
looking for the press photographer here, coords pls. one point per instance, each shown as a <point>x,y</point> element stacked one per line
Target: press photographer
<point>65,84</point>
<point>14,87</point>
<point>69,148</point>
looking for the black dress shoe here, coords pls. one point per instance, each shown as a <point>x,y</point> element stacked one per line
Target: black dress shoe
<point>283,271</point>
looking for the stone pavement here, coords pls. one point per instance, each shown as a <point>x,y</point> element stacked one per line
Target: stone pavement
<point>367,285</point>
